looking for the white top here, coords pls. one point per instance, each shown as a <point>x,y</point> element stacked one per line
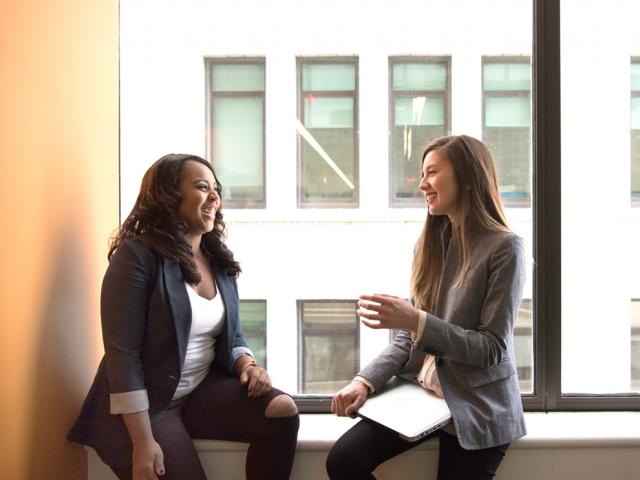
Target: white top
<point>207,322</point>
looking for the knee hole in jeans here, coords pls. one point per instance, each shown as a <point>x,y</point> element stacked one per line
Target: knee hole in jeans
<point>281,406</point>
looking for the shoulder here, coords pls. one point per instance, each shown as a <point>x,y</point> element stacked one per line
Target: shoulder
<point>133,252</point>
<point>498,241</point>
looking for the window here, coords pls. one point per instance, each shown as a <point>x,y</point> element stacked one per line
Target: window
<point>328,345</point>
<point>419,112</point>
<point>327,132</point>
<point>600,258</point>
<point>635,345</point>
<point>253,321</point>
<point>506,124</point>
<point>524,346</point>
<point>635,132</point>
<point>236,124</point>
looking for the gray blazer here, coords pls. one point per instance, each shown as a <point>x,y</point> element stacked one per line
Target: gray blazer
<point>471,334</point>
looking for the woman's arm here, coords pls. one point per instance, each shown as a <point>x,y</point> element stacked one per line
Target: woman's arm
<point>487,344</point>
<point>148,460</point>
<point>126,289</point>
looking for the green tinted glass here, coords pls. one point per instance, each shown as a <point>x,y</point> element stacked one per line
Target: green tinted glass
<point>328,112</point>
<point>419,111</point>
<point>253,321</point>
<point>238,146</point>
<point>237,78</point>
<point>419,76</point>
<point>508,111</point>
<point>328,77</point>
<point>506,76</point>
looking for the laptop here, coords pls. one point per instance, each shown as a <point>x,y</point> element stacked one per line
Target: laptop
<point>407,408</point>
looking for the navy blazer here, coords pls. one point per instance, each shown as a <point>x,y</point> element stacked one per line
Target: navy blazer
<point>146,320</point>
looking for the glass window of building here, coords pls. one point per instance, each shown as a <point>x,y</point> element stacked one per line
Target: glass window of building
<point>506,124</point>
<point>635,345</point>
<point>635,132</point>
<point>236,129</point>
<point>328,345</point>
<point>419,96</point>
<point>524,346</point>
<point>327,132</point>
<point>253,321</point>
<point>600,255</point>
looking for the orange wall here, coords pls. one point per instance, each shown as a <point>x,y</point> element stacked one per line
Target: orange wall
<point>58,206</point>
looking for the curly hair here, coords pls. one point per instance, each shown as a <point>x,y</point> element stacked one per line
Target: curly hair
<point>154,220</point>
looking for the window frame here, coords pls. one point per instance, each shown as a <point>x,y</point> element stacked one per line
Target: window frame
<point>507,59</point>
<point>355,93</point>
<point>393,95</point>
<point>315,403</point>
<point>246,203</point>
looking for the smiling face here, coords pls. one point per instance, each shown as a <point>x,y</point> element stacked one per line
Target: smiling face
<point>439,184</point>
<point>200,198</point>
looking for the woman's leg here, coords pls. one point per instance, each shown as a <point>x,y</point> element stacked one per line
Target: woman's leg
<point>220,409</point>
<point>362,448</point>
<point>456,462</point>
<point>180,456</point>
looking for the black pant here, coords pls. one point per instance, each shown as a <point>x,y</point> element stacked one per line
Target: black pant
<point>220,409</point>
<point>365,446</point>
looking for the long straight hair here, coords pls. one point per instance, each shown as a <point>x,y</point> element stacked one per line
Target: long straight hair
<point>478,205</point>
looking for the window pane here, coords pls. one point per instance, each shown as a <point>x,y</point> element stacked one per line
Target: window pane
<point>600,255</point>
<point>328,77</point>
<point>328,112</point>
<point>419,76</point>
<point>253,321</point>
<point>419,111</point>
<point>330,345</point>
<point>507,126</point>
<point>237,78</point>
<point>238,147</point>
<point>327,136</point>
<point>507,76</point>
<point>508,112</point>
<point>635,345</point>
<point>524,346</point>
<point>409,143</point>
<point>419,98</point>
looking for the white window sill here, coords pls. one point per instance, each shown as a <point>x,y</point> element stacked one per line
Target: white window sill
<point>545,430</point>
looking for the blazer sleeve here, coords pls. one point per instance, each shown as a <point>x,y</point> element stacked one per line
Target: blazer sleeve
<point>488,344</point>
<point>390,362</point>
<point>126,290</point>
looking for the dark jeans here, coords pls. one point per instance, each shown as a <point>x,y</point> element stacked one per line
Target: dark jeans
<point>220,409</point>
<point>365,446</point>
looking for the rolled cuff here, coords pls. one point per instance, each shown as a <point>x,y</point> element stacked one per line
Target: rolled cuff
<point>238,352</point>
<point>422,321</point>
<point>360,379</point>
<point>128,402</point>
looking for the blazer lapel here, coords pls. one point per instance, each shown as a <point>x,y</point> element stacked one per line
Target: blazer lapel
<point>179,305</point>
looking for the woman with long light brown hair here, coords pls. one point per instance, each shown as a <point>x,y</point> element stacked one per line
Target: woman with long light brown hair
<point>456,336</point>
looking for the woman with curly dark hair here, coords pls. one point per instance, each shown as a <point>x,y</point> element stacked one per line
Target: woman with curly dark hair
<point>176,363</point>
